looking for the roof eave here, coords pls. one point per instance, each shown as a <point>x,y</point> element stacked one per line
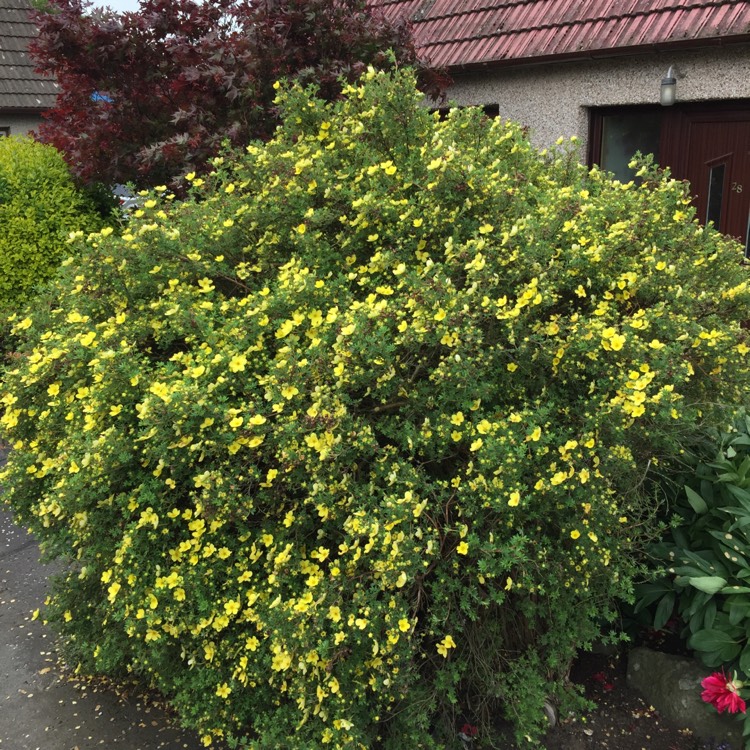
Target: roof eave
<point>22,110</point>
<point>523,62</point>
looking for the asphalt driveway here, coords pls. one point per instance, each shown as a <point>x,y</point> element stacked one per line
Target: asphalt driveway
<point>41,706</point>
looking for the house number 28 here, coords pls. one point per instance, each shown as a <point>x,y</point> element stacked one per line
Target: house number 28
<point>736,187</point>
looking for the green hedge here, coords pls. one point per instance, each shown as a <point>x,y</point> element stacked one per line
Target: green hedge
<point>39,208</point>
<point>353,446</point>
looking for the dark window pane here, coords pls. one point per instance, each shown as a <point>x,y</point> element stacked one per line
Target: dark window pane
<point>623,135</point>
<point>715,194</point>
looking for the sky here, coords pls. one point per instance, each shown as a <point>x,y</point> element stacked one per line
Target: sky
<point>117,5</point>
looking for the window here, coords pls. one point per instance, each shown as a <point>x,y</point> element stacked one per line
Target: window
<point>4,131</point>
<point>623,134</point>
<point>491,110</point>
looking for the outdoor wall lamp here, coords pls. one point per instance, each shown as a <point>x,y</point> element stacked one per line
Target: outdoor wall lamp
<point>668,92</point>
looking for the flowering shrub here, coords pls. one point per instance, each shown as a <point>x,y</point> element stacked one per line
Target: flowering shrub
<point>348,449</point>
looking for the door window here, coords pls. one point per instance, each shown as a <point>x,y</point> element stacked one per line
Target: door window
<point>716,177</point>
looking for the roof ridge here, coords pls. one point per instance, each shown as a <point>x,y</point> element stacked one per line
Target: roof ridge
<point>517,3</point>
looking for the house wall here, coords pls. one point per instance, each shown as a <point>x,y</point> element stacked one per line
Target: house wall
<point>19,124</point>
<point>553,99</point>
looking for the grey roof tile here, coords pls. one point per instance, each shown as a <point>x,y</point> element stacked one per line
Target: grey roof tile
<point>20,87</point>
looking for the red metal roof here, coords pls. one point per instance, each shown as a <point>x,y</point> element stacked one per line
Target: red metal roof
<point>460,33</point>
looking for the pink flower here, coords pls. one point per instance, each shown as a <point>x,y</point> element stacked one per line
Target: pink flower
<point>723,693</point>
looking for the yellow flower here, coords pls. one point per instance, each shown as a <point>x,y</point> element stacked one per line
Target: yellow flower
<point>515,498</point>
<point>535,435</point>
<point>575,534</point>
<point>281,661</point>
<point>404,625</point>
<point>223,690</point>
<point>444,646</point>
<point>462,548</point>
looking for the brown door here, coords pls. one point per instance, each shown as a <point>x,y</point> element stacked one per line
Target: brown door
<point>706,143</point>
<point>716,160</point>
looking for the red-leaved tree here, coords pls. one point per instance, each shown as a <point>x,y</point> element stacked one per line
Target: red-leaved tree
<point>149,95</point>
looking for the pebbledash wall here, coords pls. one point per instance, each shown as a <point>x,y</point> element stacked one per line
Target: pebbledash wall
<point>554,99</point>
<point>18,123</point>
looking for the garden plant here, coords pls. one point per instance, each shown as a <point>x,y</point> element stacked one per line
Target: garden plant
<point>705,560</point>
<point>39,207</point>
<point>352,447</point>
<point>175,79</point>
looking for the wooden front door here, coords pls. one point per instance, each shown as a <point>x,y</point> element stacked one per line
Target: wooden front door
<point>715,159</point>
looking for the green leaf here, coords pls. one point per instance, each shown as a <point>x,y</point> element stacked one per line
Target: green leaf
<point>709,615</point>
<point>684,572</point>
<point>735,590</point>
<point>739,493</point>
<point>708,584</point>
<point>745,660</point>
<point>647,593</point>
<point>697,503</point>
<point>716,646</point>
<point>739,608</point>
<point>729,476</point>
<point>664,610</point>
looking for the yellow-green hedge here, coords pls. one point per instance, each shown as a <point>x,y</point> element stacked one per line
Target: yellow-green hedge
<point>39,208</point>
